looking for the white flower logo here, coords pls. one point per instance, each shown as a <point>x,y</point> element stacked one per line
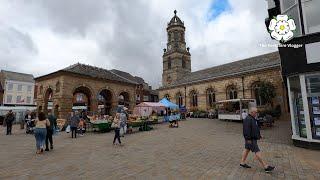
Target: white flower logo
<point>281,28</point>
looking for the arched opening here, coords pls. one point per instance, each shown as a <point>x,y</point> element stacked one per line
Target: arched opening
<point>167,96</point>
<point>58,87</point>
<point>39,109</point>
<point>124,99</point>
<point>105,102</point>
<point>179,99</point>
<point>81,98</point>
<point>232,92</point>
<point>193,99</point>
<point>211,98</point>
<point>255,91</point>
<point>48,100</point>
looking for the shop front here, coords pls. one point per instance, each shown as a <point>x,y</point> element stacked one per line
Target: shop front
<point>304,98</point>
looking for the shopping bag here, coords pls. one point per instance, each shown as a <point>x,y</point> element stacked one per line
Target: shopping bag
<point>125,129</point>
<point>68,129</point>
<point>113,125</point>
<point>121,132</point>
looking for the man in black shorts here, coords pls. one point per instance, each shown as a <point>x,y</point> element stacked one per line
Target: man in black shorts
<point>251,134</point>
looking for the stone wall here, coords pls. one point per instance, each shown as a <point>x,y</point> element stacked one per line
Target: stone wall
<point>68,84</point>
<point>220,88</point>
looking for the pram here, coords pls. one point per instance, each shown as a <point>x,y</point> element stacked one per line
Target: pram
<point>30,126</point>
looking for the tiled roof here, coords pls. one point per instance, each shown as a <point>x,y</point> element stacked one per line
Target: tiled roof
<point>233,68</point>
<point>96,72</point>
<point>15,76</point>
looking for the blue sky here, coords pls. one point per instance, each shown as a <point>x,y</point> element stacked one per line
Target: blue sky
<point>217,7</point>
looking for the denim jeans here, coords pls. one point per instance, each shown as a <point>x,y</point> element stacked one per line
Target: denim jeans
<point>40,135</point>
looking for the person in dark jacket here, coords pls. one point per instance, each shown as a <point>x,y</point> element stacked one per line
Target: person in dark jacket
<point>251,134</point>
<point>74,123</point>
<point>50,130</point>
<point>10,117</point>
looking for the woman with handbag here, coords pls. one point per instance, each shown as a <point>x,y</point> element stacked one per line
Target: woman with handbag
<point>40,132</point>
<point>116,125</point>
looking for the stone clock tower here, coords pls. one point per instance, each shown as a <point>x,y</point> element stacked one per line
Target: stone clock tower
<point>176,57</point>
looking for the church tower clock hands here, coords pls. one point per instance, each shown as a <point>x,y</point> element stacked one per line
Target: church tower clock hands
<point>176,57</point>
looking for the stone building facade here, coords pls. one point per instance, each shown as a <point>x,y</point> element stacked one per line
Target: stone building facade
<point>84,87</point>
<point>200,90</point>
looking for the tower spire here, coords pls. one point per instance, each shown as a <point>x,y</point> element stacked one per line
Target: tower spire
<point>175,12</point>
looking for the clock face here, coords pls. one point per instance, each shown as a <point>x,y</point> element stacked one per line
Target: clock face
<point>169,47</point>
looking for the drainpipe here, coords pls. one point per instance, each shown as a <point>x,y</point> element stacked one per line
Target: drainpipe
<point>185,96</point>
<point>242,78</point>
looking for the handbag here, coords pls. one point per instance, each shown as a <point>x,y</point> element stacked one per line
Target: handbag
<point>113,125</point>
<point>68,129</point>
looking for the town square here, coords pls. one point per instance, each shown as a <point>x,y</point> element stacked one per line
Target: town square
<point>218,89</point>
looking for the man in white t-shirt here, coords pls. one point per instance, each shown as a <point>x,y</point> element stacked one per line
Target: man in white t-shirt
<point>244,114</point>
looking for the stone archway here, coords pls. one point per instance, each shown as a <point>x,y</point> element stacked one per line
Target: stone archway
<point>105,102</point>
<point>82,98</point>
<point>48,100</point>
<point>124,99</point>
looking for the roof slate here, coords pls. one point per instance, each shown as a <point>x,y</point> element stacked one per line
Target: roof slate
<point>15,76</point>
<point>237,67</point>
<point>96,72</point>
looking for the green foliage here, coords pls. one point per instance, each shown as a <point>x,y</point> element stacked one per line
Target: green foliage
<point>267,91</point>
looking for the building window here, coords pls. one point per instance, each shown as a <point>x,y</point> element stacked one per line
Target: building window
<point>256,92</point>
<point>19,87</point>
<point>137,97</point>
<point>297,106</point>
<point>169,63</point>
<point>9,98</point>
<point>146,98</point>
<point>29,88</point>
<point>10,87</point>
<point>58,87</point>
<point>311,16</point>
<point>167,96</point>
<point>194,99</point>
<point>179,99</point>
<point>232,93</point>
<point>211,98</point>
<point>313,94</point>
<point>291,8</point>
<point>28,100</point>
<point>18,100</point>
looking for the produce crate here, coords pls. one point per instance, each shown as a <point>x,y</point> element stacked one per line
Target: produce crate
<point>102,127</point>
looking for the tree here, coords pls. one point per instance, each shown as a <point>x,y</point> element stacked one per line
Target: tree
<point>267,91</point>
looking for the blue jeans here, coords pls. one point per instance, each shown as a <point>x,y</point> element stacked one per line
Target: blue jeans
<point>40,135</point>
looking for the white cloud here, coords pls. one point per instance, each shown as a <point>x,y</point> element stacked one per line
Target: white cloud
<point>128,35</point>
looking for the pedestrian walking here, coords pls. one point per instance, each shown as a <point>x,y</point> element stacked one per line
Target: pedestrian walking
<point>41,131</point>
<point>81,126</point>
<point>123,123</point>
<point>116,126</point>
<point>50,130</point>
<point>74,122</point>
<point>251,133</point>
<point>9,119</point>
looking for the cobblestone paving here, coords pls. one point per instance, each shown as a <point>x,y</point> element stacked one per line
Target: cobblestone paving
<point>198,149</point>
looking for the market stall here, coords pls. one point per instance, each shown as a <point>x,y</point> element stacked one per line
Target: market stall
<point>146,109</point>
<point>172,110</point>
